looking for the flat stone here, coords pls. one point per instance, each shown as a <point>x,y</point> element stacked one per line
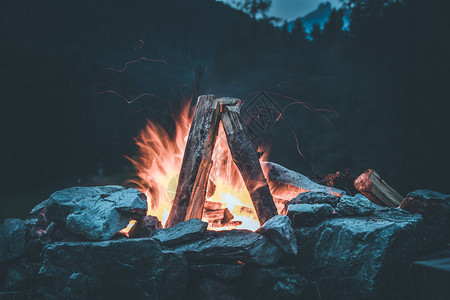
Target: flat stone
<point>308,214</point>
<point>112,269</point>
<point>232,246</point>
<point>97,213</point>
<point>357,205</point>
<point>12,239</point>
<point>315,198</point>
<point>183,232</point>
<point>356,258</point>
<point>431,278</point>
<point>279,230</point>
<point>435,210</point>
<point>286,184</point>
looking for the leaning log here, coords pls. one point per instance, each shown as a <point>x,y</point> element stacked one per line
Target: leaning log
<point>197,162</point>
<point>246,159</point>
<point>371,185</point>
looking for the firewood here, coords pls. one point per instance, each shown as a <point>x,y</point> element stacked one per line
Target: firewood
<point>212,205</point>
<point>246,159</point>
<point>218,216</point>
<point>197,162</point>
<point>371,185</point>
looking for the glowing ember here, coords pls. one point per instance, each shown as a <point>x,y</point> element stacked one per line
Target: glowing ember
<point>159,163</point>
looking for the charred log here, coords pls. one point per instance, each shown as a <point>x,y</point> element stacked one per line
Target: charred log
<point>197,162</point>
<point>246,159</point>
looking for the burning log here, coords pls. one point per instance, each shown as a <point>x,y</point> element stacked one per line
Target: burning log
<point>218,217</point>
<point>246,159</point>
<point>371,185</point>
<point>197,162</point>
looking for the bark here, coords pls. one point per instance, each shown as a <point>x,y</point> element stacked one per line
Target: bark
<point>371,185</point>
<point>246,159</point>
<point>197,162</point>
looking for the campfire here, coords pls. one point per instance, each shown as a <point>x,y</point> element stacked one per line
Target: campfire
<point>339,237</point>
<point>211,182</point>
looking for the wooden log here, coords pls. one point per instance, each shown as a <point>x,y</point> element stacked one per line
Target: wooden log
<point>246,159</point>
<point>212,205</point>
<point>371,185</point>
<point>197,162</point>
<point>218,216</point>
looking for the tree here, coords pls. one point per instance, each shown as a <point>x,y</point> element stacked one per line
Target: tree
<point>256,7</point>
<point>333,27</point>
<point>316,32</point>
<point>298,30</point>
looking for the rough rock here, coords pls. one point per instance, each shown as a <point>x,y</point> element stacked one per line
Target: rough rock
<point>97,213</point>
<point>228,272</point>
<point>112,269</point>
<point>357,205</point>
<point>308,214</point>
<point>435,210</point>
<point>246,282</point>
<point>276,283</point>
<point>58,233</point>
<point>145,227</point>
<point>12,239</point>
<point>315,198</point>
<point>286,184</point>
<point>183,232</point>
<point>279,230</point>
<point>22,275</point>
<point>430,279</point>
<point>231,246</point>
<point>356,258</point>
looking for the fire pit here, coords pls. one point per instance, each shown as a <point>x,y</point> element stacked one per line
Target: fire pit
<point>230,225</point>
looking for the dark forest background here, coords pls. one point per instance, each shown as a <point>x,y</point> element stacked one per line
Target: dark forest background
<point>386,78</point>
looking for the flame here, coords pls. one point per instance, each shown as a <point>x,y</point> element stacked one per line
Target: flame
<point>127,229</point>
<point>159,162</point>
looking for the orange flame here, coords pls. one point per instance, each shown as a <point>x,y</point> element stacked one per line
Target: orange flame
<point>159,163</point>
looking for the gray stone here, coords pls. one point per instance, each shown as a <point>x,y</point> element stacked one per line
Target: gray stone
<point>183,232</point>
<point>96,213</point>
<point>112,269</point>
<point>211,289</point>
<point>286,184</point>
<point>22,275</point>
<point>435,210</point>
<point>275,283</point>
<point>308,214</point>
<point>227,272</point>
<point>315,198</point>
<point>12,239</point>
<point>279,230</point>
<point>357,205</point>
<point>356,258</point>
<point>231,246</point>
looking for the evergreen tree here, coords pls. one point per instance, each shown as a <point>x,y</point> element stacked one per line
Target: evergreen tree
<point>256,7</point>
<point>298,30</point>
<point>316,32</point>
<point>333,27</point>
